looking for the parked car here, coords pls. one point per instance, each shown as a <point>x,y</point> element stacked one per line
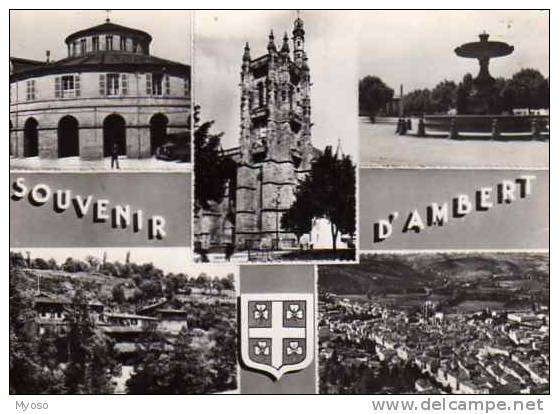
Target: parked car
<point>177,148</point>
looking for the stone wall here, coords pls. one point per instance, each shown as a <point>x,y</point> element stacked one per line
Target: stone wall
<point>90,110</point>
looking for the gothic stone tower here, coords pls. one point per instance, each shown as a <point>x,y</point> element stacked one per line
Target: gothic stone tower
<point>275,141</point>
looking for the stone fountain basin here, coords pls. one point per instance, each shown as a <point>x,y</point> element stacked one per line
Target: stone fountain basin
<point>473,125</point>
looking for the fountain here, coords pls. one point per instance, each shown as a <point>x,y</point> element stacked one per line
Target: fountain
<point>482,99</point>
<point>479,115</point>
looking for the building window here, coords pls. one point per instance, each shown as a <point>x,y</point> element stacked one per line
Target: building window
<point>148,83</point>
<point>109,41</point>
<point>113,87</point>
<point>122,43</point>
<point>102,84</point>
<point>77,89</point>
<point>124,84</point>
<point>74,47</point>
<point>167,85</point>
<point>31,96</point>
<point>155,84</point>
<point>83,46</point>
<point>186,88</point>
<point>95,41</point>
<point>67,86</point>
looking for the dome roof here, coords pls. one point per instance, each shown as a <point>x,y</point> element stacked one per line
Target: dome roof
<point>109,28</point>
<point>101,61</point>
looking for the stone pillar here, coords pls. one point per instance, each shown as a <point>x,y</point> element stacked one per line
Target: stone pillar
<point>138,143</point>
<point>16,147</point>
<point>495,134</point>
<point>421,128</point>
<point>144,150</point>
<point>535,129</point>
<point>452,130</point>
<point>133,140</point>
<point>91,143</point>
<point>399,126</point>
<point>48,143</point>
<point>247,200</point>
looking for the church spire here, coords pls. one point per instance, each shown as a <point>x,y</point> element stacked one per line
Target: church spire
<point>271,44</point>
<point>339,151</point>
<point>298,41</point>
<point>285,46</point>
<point>246,54</point>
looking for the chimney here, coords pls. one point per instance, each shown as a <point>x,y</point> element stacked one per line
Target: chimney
<point>48,56</point>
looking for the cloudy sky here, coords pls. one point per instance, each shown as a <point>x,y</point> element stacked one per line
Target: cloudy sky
<point>416,48</point>
<point>219,41</point>
<point>32,32</point>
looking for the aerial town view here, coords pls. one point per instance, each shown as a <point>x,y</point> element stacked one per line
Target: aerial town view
<point>95,326</point>
<point>435,324</point>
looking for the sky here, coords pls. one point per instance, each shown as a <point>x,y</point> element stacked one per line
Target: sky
<point>32,32</point>
<point>329,41</point>
<point>168,259</point>
<point>416,48</point>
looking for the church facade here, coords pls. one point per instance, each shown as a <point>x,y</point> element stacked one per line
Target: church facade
<point>108,91</point>
<point>275,149</point>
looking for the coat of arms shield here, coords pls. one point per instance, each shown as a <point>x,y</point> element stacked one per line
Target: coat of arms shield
<point>277,332</point>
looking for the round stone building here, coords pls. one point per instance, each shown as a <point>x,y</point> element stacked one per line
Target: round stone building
<point>108,90</point>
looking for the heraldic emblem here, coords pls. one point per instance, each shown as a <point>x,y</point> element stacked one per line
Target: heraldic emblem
<point>277,332</point>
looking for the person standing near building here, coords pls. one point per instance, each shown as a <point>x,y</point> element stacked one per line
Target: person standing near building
<point>114,156</point>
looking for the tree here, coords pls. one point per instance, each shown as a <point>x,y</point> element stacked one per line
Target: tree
<point>223,357</point>
<point>209,167</point>
<point>228,282</point>
<point>52,264</point>
<point>118,294</point>
<point>418,102</point>
<point>528,89</point>
<point>72,266</point>
<point>328,191</point>
<point>17,260</point>
<point>181,371</point>
<point>89,360</point>
<point>443,96</point>
<point>298,219</point>
<point>93,261</point>
<point>39,263</point>
<point>374,94</point>
<point>463,91</point>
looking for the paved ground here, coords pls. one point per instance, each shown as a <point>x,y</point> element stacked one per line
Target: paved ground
<point>75,164</point>
<point>381,147</point>
<point>281,256</point>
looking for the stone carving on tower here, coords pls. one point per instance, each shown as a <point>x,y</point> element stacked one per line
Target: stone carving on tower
<point>275,138</point>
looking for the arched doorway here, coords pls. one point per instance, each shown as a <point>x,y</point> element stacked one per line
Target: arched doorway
<point>68,137</point>
<point>30,138</point>
<point>157,131</point>
<point>114,132</point>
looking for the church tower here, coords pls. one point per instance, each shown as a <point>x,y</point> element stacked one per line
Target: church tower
<point>275,139</point>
